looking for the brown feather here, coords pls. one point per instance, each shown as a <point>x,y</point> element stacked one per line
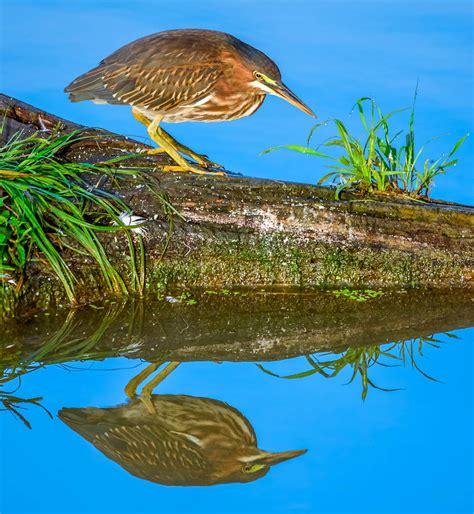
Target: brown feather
<point>169,73</point>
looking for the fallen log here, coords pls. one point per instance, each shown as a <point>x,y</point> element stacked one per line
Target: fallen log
<point>240,231</point>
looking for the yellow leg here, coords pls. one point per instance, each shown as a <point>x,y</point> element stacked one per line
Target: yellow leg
<point>161,138</point>
<point>145,395</point>
<point>131,387</point>
<point>155,151</point>
<point>173,148</point>
<point>199,158</point>
<point>140,117</point>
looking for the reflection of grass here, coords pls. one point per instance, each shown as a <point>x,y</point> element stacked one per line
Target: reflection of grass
<point>117,329</point>
<point>14,404</point>
<point>376,163</point>
<point>65,345</point>
<point>71,342</point>
<point>362,358</point>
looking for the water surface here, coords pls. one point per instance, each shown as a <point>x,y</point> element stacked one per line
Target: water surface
<point>403,450</point>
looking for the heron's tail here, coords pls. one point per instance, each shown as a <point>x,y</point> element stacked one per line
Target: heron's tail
<point>90,86</point>
<point>85,422</point>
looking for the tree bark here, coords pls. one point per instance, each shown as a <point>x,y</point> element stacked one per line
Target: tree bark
<point>239,231</point>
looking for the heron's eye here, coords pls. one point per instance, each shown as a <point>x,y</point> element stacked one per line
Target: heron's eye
<point>247,469</point>
<point>258,75</point>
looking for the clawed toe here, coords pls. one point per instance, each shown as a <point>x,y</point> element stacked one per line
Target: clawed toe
<point>192,169</point>
<point>155,151</point>
<point>204,161</point>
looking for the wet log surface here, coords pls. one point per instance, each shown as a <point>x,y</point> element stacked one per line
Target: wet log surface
<point>244,232</point>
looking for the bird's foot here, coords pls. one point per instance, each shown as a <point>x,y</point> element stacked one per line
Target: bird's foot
<point>155,151</point>
<point>131,387</point>
<point>145,395</point>
<point>192,169</point>
<point>176,150</point>
<point>201,159</point>
<point>147,402</point>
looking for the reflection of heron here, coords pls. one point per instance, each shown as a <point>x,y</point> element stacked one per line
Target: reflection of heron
<point>145,395</point>
<point>186,440</point>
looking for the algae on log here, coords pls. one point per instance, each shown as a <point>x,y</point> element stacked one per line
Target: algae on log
<point>240,231</point>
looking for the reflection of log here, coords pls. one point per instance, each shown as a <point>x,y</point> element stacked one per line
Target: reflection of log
<point>246,232</point>
<point>256,327</point>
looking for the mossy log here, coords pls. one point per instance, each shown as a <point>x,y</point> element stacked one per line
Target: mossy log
<point>244,232</point>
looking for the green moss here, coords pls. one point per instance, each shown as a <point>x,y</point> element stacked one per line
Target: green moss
<point>274,261</point>
<point>357,295</point>
<point>262,261</point>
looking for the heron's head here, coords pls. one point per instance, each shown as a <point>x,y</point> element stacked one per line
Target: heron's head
<point>251,464</point>
<point>262,75</point>
<point>272,84</point>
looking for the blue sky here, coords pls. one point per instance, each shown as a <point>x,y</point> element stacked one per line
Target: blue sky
<point>330,53</point>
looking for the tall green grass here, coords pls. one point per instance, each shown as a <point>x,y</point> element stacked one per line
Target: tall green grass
<point>48,208</point>
<point>376,163</point>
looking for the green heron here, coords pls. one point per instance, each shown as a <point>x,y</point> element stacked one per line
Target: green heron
<point>187,441</point>
<point>184,75</point>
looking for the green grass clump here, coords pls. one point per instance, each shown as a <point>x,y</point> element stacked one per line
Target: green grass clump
<point>48,208</point>
<point>376,163</point>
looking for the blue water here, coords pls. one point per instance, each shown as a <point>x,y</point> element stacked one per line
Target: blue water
<point>330,52</point>
<point>397,452</point>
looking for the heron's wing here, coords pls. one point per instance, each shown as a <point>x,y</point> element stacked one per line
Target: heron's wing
<point>148,451</point>
<point>161,90</point>
<point>158,72</point>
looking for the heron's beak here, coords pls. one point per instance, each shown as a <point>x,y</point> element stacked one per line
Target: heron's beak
<point>284,92</point>
<point>270,458</point>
